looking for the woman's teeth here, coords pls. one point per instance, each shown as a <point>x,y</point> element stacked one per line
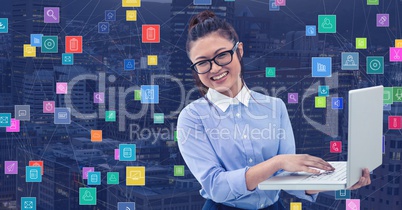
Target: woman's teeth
<point>220,76</point>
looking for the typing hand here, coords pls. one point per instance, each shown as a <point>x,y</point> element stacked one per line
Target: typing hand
<point>303,162</point>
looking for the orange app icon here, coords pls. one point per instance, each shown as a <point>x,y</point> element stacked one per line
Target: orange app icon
<point>151,34</point>
<point>37,163</point>
<point>73,44</point>
<point>96,135</point>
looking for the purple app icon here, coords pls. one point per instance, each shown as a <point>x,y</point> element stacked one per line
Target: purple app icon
<point>51,15</point>
<point>10,167</point>
<point>116,154</point>
<point>99,98</point>
<point>382,20</point>
<point>293,98</point>
<point>85,171</point>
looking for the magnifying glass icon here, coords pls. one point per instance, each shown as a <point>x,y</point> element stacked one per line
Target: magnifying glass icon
<point>98,97</point>
<point>50,13</point>
<point>292,97</point>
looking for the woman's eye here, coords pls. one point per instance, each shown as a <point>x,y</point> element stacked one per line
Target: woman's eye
<point>203,63</point>
<point>222,55</point>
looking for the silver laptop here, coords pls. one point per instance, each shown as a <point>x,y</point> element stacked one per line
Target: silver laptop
<point>364,148</point>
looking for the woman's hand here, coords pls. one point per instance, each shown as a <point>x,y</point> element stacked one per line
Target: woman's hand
<point>303,162</point>
<point>363,181</point>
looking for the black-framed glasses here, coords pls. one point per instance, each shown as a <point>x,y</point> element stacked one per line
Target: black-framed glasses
<point>222,59</point>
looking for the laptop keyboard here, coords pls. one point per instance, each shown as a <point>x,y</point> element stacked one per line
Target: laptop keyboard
<point>338,175</point>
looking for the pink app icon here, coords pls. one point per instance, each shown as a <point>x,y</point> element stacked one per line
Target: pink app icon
<point>280,2</point>
<point>394,122</point>
<point>335,146</point>
<point>85,171</point>
<point>395,54</point>
<point>61,88</point>
<point>116,154</point>
<point>48,106</point>
<point>14,127</point>
<point>352,204</point>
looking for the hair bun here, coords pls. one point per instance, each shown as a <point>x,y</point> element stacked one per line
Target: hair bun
<point>201,17</point>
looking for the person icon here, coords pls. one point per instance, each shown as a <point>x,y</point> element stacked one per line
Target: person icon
<point>87,196</point>
<point>327,23</point>
<point>350,61</point>
<point>129,65</point>
<point>113,178</point>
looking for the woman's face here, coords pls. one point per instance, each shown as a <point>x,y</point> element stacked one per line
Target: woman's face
<point>224,79</point>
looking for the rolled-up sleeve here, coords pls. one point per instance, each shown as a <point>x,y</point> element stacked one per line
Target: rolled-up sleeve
<point>198,153</point>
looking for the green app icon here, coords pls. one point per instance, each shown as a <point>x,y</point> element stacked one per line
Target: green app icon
<point>373,2</point>
<point>387,97</point>
<point>112,177</point>
<point>50,44</point>
<point>375,65</point>
<point>270,72</point>
<point>137,95</point>
<point>110,116</point>
<point>361,43</point>
<point>175,135</point>
<point>397,94</point>
<point>179,170</point>
<point>320,102</point>
<point>87,196</point>
<point>326,23</point>
<point>159,118</point>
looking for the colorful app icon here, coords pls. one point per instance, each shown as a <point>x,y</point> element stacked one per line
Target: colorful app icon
<point>67,59</point>
<point>337,103</point>
<point>50,44</point>
<point>373,2</point>
<point>110,116</point>
<point>137,95</point>
<point>280,2</point>
<point>353,204</point>
<point>175,135</point>
<point>321,66</point>
<point>48,106</point>
<point>61,87</point>
<point>73,44</point>
<point>293,98</point>
<point>116,154</point>
<point>383,144</point>
<point>270,72</point>
<point>159,118</point>
<point>22,112</point>
<point>272,6</point>
<point>99,97</point>
<point>131,15</point>
<point>375,65</point>
<point>112,177</point>
<point>14,127</point>
<point>398,43</point>
<point>350,61</point>
<point>135,175</point>
<point>51,15</point>
<point>150,33</point>
<point>129,64</point>
<point>335,146</point>
<point>125,206</point>
<point>3,25</point>
<point>131,3</point>
<point>110,15</point>
<point>295,206</point>
<point>86,170</point>
<point>342,194</point>
<point>36,40</point>
<point>152,60</point>
<point>202,2</point>
<point>311,30</point>
<point>33,174</point>
<point>87,196</point>
<point>29,51</point>
<point>94,178</point>
<point>28,203</point>
<point>37,163</point>
<point>326,23</point>
<point>149,94</point>
<point>387,96</point>
<point>387,107</point>
<point>5,119</point>
<point>62,116</point>
<point>127,152</point>
<point>320,102</point>
<point>103,27</point>
<point>394,122</point>
<point>10,167</point>
<point>382,20</point>
<point>397,94</point>
<point>361,43</point>
<point>323,90</point>
<point>178,170</point>
<point>395,54</point>
<point>96,135</point>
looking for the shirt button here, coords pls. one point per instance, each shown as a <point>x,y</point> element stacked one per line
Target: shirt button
<point>262,205</point>
<point>238,115</point>
<point>250,160</point>
<point>245,137</point>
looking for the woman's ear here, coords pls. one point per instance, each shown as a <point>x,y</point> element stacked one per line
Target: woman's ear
<point>240,47</point>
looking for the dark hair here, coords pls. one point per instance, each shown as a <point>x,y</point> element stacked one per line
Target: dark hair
<point>203,24</point>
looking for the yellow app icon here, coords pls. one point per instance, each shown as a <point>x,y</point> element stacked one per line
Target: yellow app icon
<point>131,3</point>
<point>29,51</point>
<point>152,60</point>
<point>135,175</point>
<point>295,206</point>
<point>398,43</point>
<point>131,15</point>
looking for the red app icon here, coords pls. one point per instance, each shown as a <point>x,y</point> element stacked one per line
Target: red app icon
<point>151,34</point>
<point>73,44</point>
<point>335,146</point>
<point>37,163</point>
<point>394,122</point>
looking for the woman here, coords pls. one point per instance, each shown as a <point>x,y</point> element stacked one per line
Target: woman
<point>234,138</point>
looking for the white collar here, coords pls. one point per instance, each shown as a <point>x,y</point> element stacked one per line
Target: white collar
<point>223,101</point>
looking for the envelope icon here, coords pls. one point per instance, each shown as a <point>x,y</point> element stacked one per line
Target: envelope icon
<point>28,205</point>
<point>3,120</point>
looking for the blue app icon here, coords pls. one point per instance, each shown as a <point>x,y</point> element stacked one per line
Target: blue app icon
<point>273,6</point>
<point>28,203</point>
<point>202,2</point>
<point>323,90</point>
<point>127,152</point>
<point>321,66</point>
<point>36,40</point>
<point>337,103</point>
<point>33,174</point>
<point>149,94</point>
<point>67,59</point>
<point>311,30</point>
<point>62,116</point>
<point>129,64</point>
<point>110,15</point>
<point>3,25</point>
<point>342,194</point>
<point>350,61</point>
<point>125,206</point>
<point>387,107</point>
<point>94,178</point>
<point>5,119</point>
<point>103,27</point>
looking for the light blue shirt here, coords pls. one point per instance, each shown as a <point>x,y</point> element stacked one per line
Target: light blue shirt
<point>221,140</point>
